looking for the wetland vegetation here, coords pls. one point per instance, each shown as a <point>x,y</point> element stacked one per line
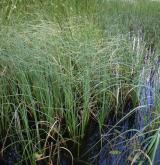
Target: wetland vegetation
<point>79,82</point>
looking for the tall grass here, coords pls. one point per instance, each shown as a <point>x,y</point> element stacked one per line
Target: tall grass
<point>65,62</point>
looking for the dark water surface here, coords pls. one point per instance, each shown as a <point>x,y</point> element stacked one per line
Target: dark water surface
<point>119,151</point>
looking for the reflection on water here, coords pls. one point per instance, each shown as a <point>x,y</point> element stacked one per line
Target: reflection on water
<point>119,143</point>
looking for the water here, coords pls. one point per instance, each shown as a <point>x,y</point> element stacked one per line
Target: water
<point>11,157</point>
<point>118,142</point>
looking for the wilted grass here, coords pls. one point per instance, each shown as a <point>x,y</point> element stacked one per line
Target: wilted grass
<point>65,62</point>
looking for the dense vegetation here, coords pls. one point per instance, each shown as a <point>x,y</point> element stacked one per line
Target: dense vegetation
<point>66,64</point>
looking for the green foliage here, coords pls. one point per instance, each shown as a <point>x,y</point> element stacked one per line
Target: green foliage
<point>62,62</point>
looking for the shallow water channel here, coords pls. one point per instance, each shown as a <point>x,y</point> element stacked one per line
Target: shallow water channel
<point>125,137</point>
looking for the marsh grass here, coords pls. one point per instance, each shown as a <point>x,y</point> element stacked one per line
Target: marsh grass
<point>62,63</point>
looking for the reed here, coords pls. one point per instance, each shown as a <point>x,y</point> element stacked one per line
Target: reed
<point>63,63</point>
